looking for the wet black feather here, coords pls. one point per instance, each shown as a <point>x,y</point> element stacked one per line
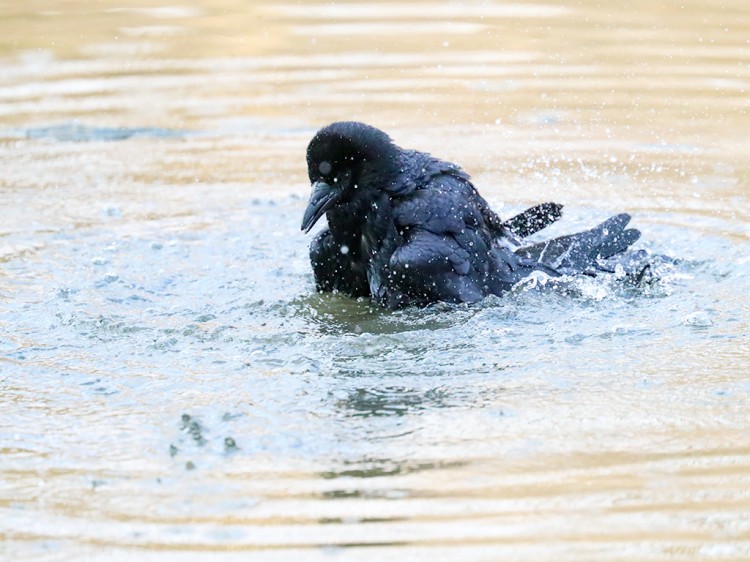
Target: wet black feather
<point>405,228</point>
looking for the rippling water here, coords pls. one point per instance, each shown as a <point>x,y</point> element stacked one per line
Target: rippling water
<point>171,386</point>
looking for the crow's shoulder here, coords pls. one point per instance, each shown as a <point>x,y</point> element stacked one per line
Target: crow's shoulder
<point>438,210</point>
<point>438,196</point>
<point>419,170</point>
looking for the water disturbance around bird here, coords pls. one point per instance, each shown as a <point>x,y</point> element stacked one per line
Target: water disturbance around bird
<point>172,387</point>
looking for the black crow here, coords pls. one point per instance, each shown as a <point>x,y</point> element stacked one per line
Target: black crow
<point>405,228</point>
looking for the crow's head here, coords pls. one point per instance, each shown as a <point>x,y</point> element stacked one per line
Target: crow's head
<point>345,160</point>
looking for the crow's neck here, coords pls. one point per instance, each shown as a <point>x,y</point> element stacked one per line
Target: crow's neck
<point>345,227</point>
<point>364,215</point>
<point>360,220</point>
<point>346,222</point>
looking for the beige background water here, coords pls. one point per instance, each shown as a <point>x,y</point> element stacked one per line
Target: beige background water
<point>639,106</point>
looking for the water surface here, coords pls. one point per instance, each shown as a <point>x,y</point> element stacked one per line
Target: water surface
<point>171,386</point>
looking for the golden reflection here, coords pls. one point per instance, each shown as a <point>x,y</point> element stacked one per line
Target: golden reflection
<point>640,106</point>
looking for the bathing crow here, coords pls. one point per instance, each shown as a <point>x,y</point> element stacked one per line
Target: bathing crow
<point>405,228</point>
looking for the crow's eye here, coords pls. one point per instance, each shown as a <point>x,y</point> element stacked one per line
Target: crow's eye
<point>325,167</point>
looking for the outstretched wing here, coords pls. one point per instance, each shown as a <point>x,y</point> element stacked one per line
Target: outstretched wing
<point>576,253</point>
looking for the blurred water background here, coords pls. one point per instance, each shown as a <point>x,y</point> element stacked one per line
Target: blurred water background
<point>172,388</point>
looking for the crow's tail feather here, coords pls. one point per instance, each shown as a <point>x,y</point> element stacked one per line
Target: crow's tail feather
<point>578,253</point>
<point>534,219</point>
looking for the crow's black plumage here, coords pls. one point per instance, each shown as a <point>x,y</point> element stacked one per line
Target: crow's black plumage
<point>405,228</point>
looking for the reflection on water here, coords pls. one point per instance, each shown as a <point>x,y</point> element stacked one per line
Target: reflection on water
<point>76,132</point>
<point>171,386</point>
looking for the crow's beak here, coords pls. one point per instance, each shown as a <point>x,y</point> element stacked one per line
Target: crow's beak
<point>323,198</point>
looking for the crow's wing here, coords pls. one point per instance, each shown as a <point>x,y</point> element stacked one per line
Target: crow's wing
<point>447,207</point>
<point>422,172</point>
<point>576,253</point>
<point>445,243</point>
<point>447,251</point>
<point>430,267</point>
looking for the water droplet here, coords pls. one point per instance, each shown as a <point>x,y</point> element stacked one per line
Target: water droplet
<point>699,319</point>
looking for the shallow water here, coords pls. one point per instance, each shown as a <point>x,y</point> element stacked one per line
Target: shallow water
<point>171,386</point>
